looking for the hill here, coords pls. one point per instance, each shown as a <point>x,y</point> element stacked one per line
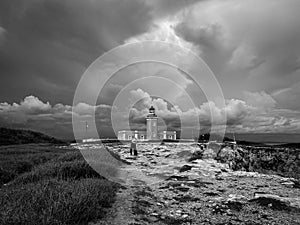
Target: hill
<point>15,136</point>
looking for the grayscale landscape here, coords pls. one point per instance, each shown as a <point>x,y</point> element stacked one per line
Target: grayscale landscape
<point>141,112</point>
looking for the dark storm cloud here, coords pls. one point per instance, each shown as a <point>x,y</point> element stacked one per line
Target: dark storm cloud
<point>262,38</point>
<point>46,45</point>
<point>163,8</point>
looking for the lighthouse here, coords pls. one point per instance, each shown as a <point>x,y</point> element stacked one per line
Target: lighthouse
<point>152,124</point>
<point>152,132</point>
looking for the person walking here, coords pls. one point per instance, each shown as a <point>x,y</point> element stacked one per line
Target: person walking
<point>133,147</point>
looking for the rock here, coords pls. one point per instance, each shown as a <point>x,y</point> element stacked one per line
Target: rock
<point>211,193</point>
<point>185,168</point>
<point>296,184</point>
<point>288,184</point>
<point>196,155</point>
<point>235,198</point>
<point>167,155</point>
<point>277,202</point>
<point>235,205</point>
<point>186,198</point>
<point>219,208</point>
<point>209,154</point>
<point>183,188</point>
<point>152,219</point>
<point>227,154</point>
<point>178,177</point>
<point>221,190</point>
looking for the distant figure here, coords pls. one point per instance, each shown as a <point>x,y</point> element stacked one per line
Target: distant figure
<point>133,147</point>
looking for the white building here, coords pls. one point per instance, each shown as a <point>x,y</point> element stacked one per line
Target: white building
<point>152,132</point>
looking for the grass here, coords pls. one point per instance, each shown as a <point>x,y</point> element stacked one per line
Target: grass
<point>20,136</point>
<point>18,159</point>
<point>50,185</point>
<point>70,170</point>
<point>52,201</point>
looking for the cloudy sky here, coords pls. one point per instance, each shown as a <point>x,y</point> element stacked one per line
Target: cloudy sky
<point>251,46</point>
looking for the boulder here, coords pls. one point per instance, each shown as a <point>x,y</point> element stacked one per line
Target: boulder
<point>236,202</point>
<point>227,154</point>
<point>209,154</point>
<point>196,155</point>
<point>185,168</point>
<point>276,202</point>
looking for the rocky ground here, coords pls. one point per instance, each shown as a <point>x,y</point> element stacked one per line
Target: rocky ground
<point>188,189</point>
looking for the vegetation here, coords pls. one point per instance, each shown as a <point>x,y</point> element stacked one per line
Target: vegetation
<point>55,201</point>
<point>270,160</point>
<point>13,137</point>
<point>48,184</point>
<point>18,159</point>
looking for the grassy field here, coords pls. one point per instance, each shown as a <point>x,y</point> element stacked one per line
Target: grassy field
<point>44,184</point>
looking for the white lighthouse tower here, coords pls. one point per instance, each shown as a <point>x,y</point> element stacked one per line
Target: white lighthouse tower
<point>152,124</point>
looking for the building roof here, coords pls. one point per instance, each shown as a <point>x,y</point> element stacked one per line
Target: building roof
<point>151,108</point>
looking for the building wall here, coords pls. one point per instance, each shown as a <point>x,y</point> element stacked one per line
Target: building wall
<point>142,135</point>
<point>152,133</point>
<point>171,135</point>
<point>129,135</point>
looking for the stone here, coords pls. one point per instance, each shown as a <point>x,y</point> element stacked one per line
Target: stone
<point>227,154</point>
<point>277,202</point>
<point>186,198</point>
<point>288,184</point>
<point>236,202</point>
<point>233,197</point>
<point>152,219</point>
<point>178,211</point>
<point>185,168</point>
<point>178,177</point>
<point>211,193</point>
<point>209,154</point>
<point>183,188</point>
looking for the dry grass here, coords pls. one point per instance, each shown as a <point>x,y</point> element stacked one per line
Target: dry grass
<point>51,186</point>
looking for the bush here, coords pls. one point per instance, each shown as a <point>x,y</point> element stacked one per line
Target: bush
<point>56,202</point>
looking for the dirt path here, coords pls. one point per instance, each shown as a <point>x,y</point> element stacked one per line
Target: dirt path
<point>121,211</point>
<point>205,192</point>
